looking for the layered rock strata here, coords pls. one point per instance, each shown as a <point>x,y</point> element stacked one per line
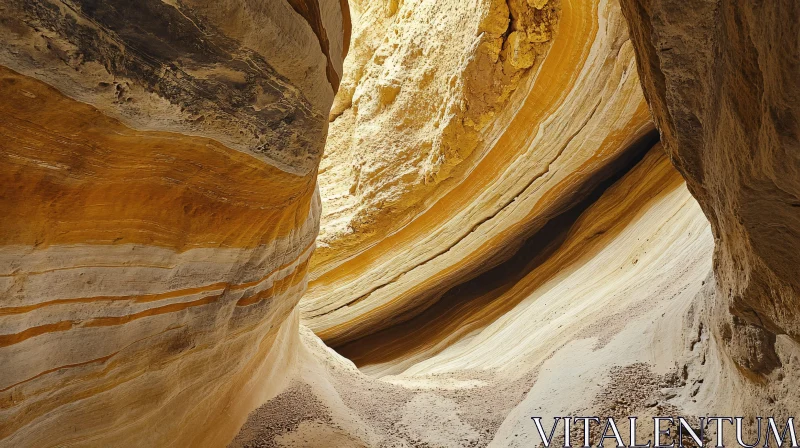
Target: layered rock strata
<point>436,97</point>
<point>606,324</point>
<point>159,209</point>
<point>503,235</point>
<point>574,117</point>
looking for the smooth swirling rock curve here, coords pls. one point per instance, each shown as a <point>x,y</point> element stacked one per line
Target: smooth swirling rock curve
<point>570,121</point>
<point>525,208</point>
<point>159,208</point>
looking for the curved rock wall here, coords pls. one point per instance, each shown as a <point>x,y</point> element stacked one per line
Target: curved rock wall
<point>573,119</point>
<point>604,323</point>
<point>159,209</point>
<point>563,271</point>
<point>722,81</point>
<point>414,108</point>
<point>503,235</point>
<point>595,266</point>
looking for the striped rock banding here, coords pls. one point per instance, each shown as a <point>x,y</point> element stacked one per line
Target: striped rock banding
<point>160,208</point>
<point>504,235</point>
<point>576,118</point>
<point>497,229</point>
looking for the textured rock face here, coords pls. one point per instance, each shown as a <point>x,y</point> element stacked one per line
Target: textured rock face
<point>565,124</point>
<point>159,208</point>
<point>723,83</point>
<point>543,264</point>
<point>413,110</point>
<point>503,235</point>
<point>618,249</point>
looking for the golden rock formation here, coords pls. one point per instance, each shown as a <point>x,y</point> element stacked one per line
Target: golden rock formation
<point>159,209</point>
<point>413,109</point>
<point>524,208</point>
<point>609,308</point>
<point>572,120</point>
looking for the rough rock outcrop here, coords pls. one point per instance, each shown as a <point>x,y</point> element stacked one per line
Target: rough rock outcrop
<point>159,208</point>
<point>723,82</point>
<point>413,109</point>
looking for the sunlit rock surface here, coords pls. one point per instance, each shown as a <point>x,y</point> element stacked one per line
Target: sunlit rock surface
<point>555,262</point>
<point>572,120</point>
<point>525,208</point>
<point>413,109</point>
<point>605,321</point>
<point>159,209</point>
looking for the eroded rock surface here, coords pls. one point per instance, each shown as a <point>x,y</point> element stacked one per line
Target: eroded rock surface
<point>608,314</point>
<point>415,106</point>
<point>159,209</point>
<point>566,123</point>
<point>503,235</point>
<point>723,82</point>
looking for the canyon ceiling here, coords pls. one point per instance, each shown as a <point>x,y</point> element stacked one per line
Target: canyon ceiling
<point>404,223</point>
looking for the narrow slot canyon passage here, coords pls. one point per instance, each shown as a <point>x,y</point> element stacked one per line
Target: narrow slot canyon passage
<point>396,223</point>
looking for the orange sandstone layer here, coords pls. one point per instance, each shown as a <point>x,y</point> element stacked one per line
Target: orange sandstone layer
<point>73,175</point>
<point>159,211</point>
<point>571,123</point>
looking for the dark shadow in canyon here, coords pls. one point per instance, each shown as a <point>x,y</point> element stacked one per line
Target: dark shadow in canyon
<point>475,303</point>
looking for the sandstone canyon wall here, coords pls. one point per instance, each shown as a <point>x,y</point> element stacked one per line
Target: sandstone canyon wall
<point>532,143</point>
<point>723,83</point>
<point>159,208</point>
<point>528,207</point>
<point>606,323</point>
<point>468,289</point>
